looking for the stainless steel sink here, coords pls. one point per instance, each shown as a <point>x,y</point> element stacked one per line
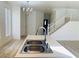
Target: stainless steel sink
<point>35,46</point>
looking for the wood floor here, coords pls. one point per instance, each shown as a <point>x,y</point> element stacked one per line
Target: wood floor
<point>10,49</point>
<point>72,46</point>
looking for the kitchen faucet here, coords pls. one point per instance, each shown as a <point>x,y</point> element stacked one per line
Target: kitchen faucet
<point>43,29</point>
<point>37,45</point>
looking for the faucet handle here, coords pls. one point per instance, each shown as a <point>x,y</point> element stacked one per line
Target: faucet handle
<point>41,28</point>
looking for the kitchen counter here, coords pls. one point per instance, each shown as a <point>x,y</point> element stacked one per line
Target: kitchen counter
<point>58,50</point>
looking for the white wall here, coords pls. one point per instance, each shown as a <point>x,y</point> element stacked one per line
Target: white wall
<point>73,13</point>
<point>39,19</point>
<point>34,21</point>
<point>60,12</point>
<point>2,19</point>
<point>8,22</point>
<point>69,31</point>
<point>31,23</point>
<point>52,17</point>
<point>16,22</point>
<point>23,22</point>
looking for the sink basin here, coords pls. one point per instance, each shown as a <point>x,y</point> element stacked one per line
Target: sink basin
<point>35,46</point>
<point>34,42</point>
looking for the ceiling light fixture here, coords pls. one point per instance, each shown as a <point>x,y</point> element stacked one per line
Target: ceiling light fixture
<point>23,9</point>
<point>28,9</point>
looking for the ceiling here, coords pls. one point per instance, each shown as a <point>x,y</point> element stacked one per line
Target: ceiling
<point>47,5</point>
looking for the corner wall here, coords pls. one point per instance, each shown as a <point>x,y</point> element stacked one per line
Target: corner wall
<point>34,21</point>
<point>23,22</point>
<point>16,22</point>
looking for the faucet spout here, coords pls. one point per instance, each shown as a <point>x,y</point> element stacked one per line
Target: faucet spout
<point>43,29</point>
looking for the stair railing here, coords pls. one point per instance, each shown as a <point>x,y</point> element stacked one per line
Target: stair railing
<point>56,25</point>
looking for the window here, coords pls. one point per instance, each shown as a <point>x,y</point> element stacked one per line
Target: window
<point>8,22</point>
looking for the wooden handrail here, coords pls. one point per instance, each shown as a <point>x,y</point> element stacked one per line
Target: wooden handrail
<point>65,19</point>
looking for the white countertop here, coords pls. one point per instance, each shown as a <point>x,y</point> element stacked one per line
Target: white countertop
<point>58,50</point>
<point>35,37</point>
